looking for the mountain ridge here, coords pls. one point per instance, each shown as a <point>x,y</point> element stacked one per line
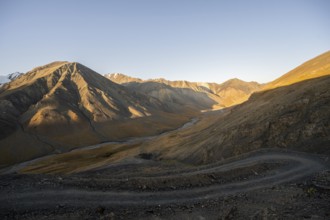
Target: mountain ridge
<point>228,93</point>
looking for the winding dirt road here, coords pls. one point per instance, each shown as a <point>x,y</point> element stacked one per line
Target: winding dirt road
<point>297,166</point>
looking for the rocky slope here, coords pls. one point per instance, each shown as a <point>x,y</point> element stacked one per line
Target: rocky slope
<point>64,105</point>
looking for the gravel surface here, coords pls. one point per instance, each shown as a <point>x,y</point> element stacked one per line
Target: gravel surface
<point>265,184</point>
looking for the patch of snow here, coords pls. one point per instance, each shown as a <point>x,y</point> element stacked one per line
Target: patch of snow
<point>10,77</point>
<point>15,75</point>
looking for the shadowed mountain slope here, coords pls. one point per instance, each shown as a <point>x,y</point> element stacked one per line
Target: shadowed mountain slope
<point>294,116</point>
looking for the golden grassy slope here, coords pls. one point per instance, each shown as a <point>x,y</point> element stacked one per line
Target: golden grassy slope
<point>316,67</point>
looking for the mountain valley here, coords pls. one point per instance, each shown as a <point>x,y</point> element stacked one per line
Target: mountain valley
<point>77,143</point>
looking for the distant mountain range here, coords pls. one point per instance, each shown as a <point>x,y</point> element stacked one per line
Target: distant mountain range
<point>226,94</point>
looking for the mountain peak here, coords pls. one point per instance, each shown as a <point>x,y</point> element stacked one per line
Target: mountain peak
<point>50,65</point>
<point>237,83</point>
<point>234,80</point>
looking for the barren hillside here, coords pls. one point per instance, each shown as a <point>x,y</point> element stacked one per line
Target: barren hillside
<point>64,105</point>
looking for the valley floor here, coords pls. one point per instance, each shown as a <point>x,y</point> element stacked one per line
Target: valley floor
<point>266,184</point>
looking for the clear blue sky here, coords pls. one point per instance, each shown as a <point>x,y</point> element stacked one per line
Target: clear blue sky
<point>196,40</point>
